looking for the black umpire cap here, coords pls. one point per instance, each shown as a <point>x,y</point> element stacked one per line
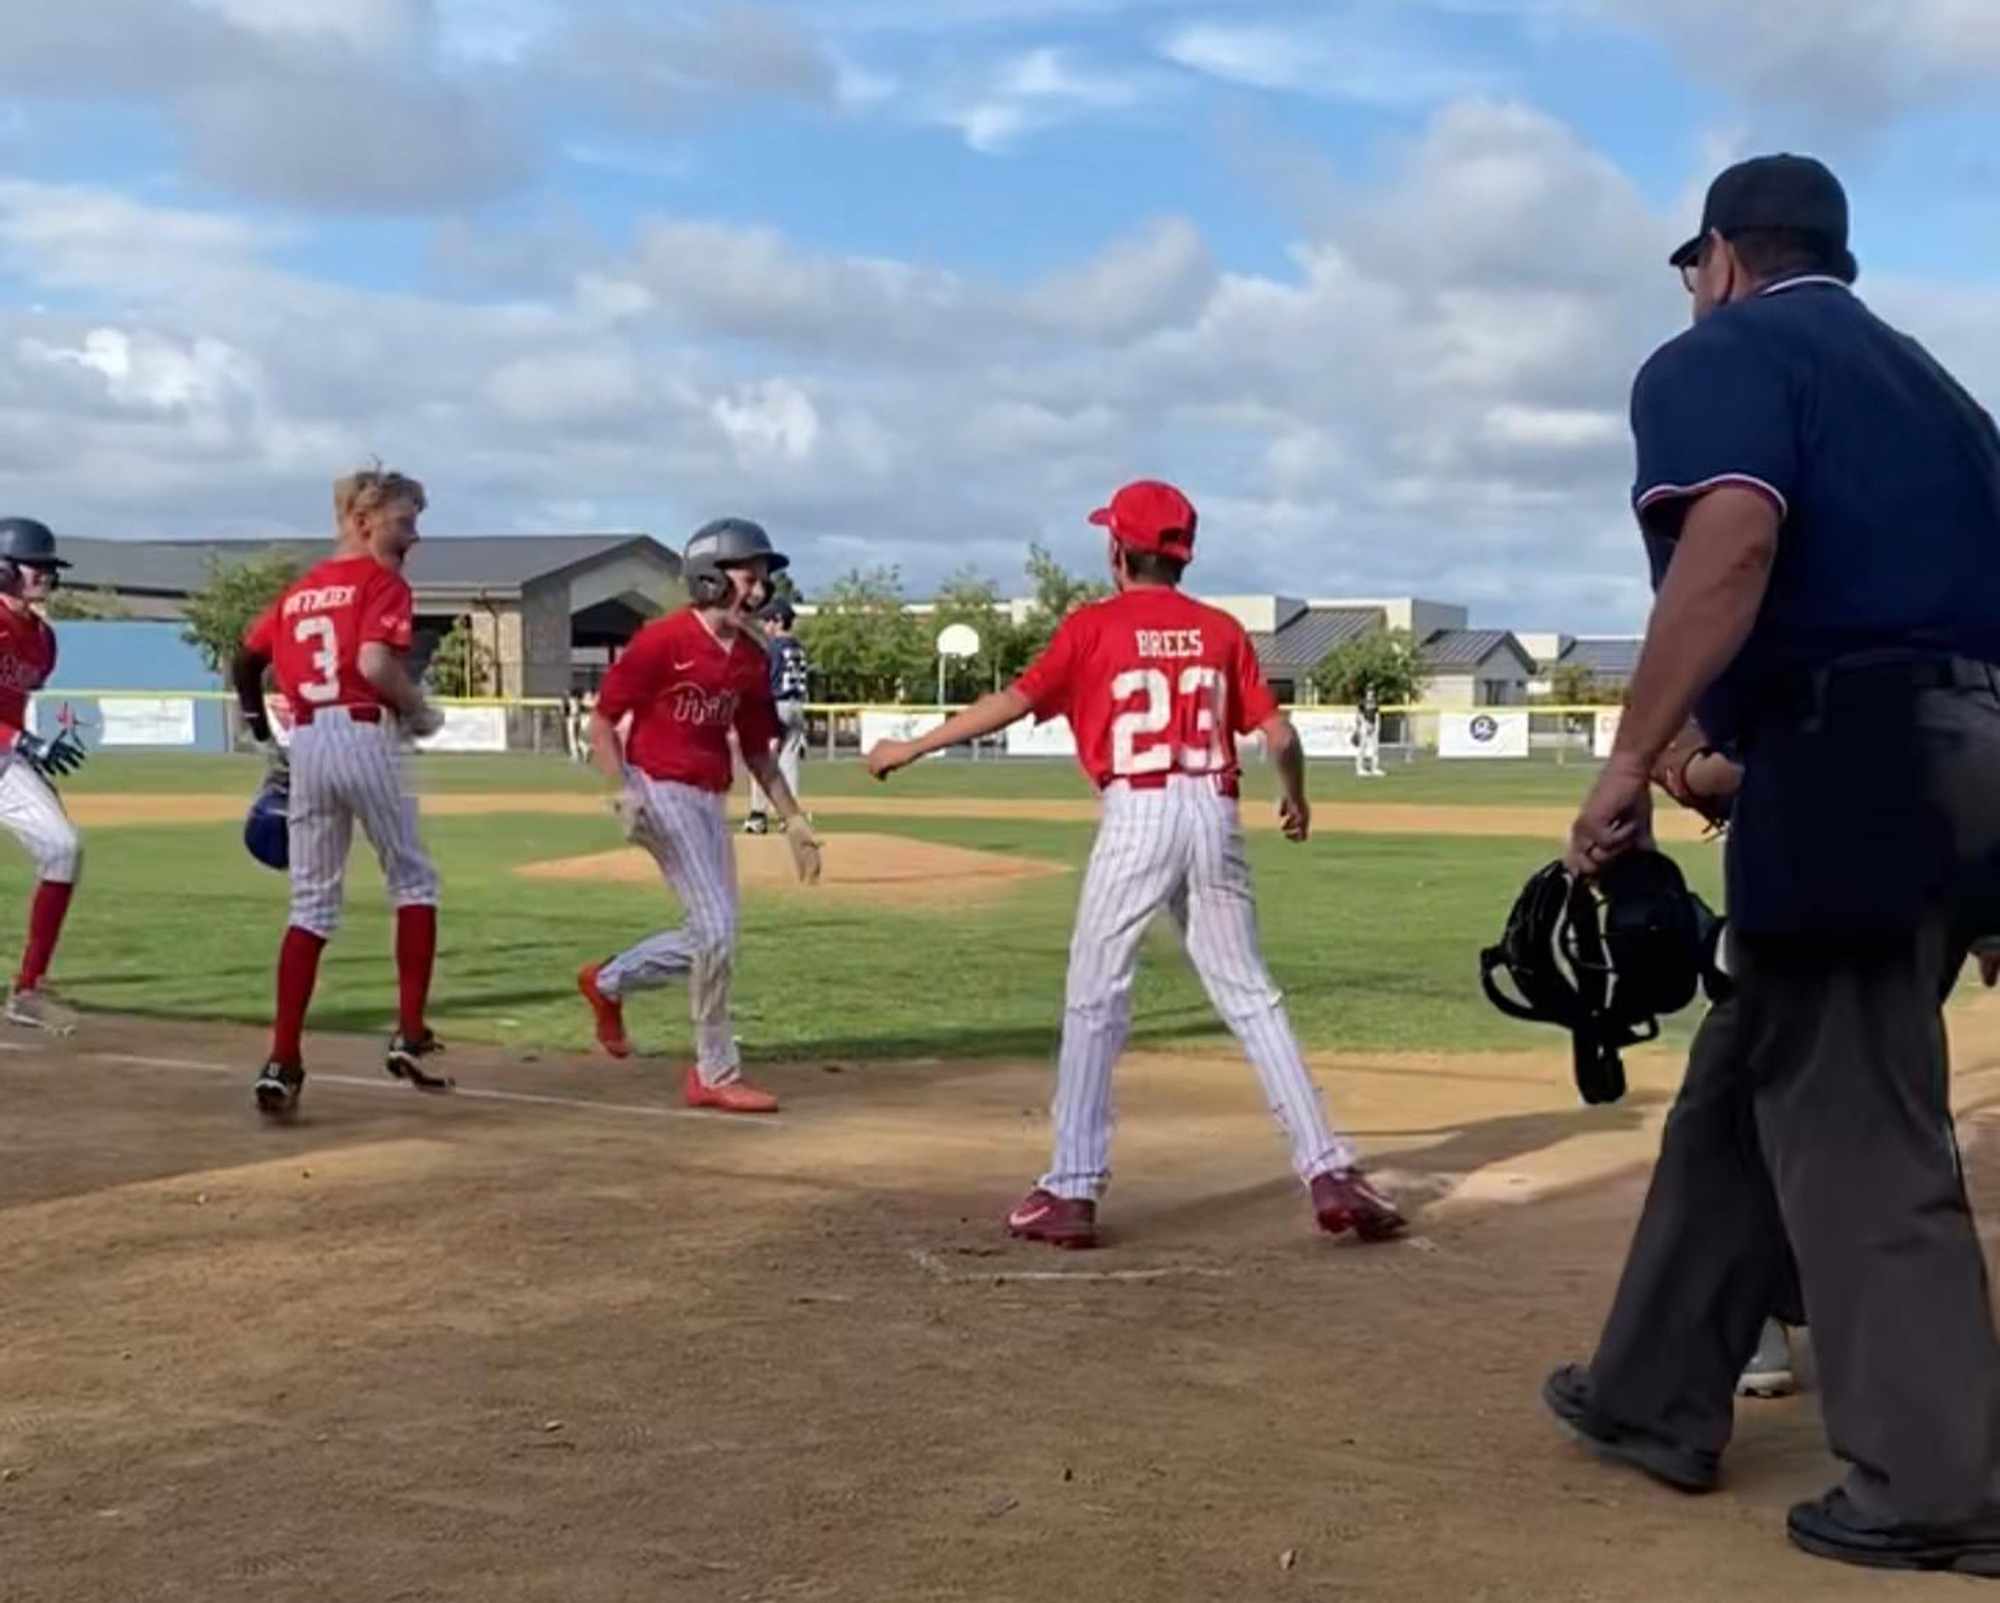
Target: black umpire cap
<point>1791,192</point>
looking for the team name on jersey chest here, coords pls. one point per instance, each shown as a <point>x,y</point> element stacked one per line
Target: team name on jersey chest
<point>691,704</point>
<point>18,673</point>
<point>1168,642</point>
<point>326,598</point>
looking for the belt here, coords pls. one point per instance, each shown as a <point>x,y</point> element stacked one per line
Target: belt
<point>362,713</point>
<point>1224,784</point>
<point>1802,693</point>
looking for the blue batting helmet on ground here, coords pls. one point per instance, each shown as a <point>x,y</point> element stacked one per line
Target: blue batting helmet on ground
<point>267,830</point>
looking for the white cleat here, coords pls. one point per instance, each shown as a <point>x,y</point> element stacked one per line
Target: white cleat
<point>40,1009</point>
<point>1769,1372</point>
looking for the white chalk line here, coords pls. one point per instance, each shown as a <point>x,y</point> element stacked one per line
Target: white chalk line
<point>390,1087</point>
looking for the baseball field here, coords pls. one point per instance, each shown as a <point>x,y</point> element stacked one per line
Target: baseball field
<point>556,1338</point>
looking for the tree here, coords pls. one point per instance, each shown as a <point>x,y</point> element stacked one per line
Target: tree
<point>219,612</point>
<point>462,664</point>
<point>1058,593</point>
<point>1573,684</point>
<point>865,645</point>
<point>70,605</point>
<point>971,599</point>
<point>1384,660</point>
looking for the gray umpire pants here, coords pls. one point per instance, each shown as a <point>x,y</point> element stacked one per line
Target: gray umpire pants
<point>791,749</point>
<point>1811,1151</point>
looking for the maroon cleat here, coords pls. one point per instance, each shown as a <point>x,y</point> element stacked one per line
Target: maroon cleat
<point>1347,1200</point>
<point>1060,1221</point>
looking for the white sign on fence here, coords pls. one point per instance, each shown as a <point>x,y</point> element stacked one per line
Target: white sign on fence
<point>880,725</point>
<point>1325,733</point>
<point>469,729</point>
<point>147,721</point>
<point>1052,737</point>
<point>1483,734</point>
<point>1606,730</point>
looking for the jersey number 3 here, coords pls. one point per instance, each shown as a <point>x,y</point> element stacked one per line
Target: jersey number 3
<point>1155,715</point>
<point>319,634</point>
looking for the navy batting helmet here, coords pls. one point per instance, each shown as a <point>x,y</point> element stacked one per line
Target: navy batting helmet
<point>722,544</point>
<point>267,830</point>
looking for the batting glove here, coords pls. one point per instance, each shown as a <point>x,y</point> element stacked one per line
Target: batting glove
<point>51,758</point>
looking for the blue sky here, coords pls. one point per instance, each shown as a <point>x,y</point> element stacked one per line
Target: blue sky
<point>918,281</point>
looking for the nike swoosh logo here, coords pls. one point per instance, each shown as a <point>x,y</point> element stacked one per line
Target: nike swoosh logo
<point>1028,1216</point>
<point>682,667</point>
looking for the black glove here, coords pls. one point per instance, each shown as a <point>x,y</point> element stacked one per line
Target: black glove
<point>51,758</point>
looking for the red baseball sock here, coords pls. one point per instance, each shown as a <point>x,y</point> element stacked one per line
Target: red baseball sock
<point>298,968</point>
<point>45,922</point>
<point>416,954</point>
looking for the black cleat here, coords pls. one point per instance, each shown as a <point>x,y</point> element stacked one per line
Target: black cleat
<point>404,1061</point>
<point>277,1089</point>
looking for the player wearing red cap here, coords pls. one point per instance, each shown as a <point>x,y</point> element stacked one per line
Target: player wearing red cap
<point>1157,687</point>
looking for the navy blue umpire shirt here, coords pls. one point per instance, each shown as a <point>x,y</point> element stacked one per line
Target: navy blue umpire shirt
<point>1885,473</point>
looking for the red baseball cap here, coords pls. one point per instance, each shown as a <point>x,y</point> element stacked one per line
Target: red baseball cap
<point>1151,516</point>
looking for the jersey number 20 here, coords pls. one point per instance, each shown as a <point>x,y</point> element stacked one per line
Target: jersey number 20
<point>1155,715</point>
<point>319,633</point>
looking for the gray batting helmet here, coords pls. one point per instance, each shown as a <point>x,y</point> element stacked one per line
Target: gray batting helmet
<point>24,543</point>
<point>724,543</point>
<point>31,544</point>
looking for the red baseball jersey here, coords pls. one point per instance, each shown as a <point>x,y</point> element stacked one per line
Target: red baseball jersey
<point>685,690</point>
<point>1153,683</point>
<point>27,658</point>
<point>314,632</point>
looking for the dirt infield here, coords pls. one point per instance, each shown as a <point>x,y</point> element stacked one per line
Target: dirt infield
<point>1388,818</point>
<point>555,1338</point>
<point>877,868</point>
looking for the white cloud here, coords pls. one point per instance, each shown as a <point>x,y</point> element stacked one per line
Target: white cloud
<point>371,25</point>
<point>568,387</point>
<point>1857,62</point>
<point>1162,274</point>
<point>1033,91</point>
<point>772,421</point>
<point>1345,58</point>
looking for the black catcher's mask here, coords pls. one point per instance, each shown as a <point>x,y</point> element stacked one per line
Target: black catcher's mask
<point>1606,960</point>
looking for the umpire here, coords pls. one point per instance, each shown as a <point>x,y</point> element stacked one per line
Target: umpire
<point>1820,502</point>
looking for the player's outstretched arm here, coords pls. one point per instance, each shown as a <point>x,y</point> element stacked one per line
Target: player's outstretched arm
<point>1288,756</point>
<point>604,749</point>
<point>987,716</point>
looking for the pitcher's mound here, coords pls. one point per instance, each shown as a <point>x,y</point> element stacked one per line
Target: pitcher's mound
<point>884,867</point>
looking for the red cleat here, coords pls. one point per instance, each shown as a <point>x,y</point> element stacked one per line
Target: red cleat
<point>735,1097</point>
<point>1060,1221</point>
<point>1346,1200</point>
<point>609,1010</point>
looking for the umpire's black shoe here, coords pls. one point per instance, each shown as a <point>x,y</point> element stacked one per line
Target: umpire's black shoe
<point>1831,1527</point>
<point>1568,1395</point>
<point>405,1061</point>
<point>277,1089</point>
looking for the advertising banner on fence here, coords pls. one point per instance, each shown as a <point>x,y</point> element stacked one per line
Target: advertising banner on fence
<point>469,729</point>
<point>1053,737</point>
<point>1606,731</point>
<point>147,721</point>
<point>1325,733</point>
<point>888,725</point>
<point>1483,734</point>
<point>465,728</point>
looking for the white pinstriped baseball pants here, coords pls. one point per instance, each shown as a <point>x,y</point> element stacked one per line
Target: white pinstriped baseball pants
<point>1180,849</point>
<point>688,835</point>
<point>33,814</point>
<point>343,770</point>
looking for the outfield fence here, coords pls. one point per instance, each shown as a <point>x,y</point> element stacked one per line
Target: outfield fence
<point>209,720</point>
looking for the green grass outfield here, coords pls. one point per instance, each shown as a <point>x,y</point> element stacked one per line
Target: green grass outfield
<point>1373,937</point>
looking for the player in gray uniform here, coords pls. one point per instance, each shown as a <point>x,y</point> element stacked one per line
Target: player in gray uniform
<point>789,679</point>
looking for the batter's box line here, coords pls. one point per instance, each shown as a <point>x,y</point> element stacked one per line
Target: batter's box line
<point>386,1087</point>
<point>938,1269</point>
